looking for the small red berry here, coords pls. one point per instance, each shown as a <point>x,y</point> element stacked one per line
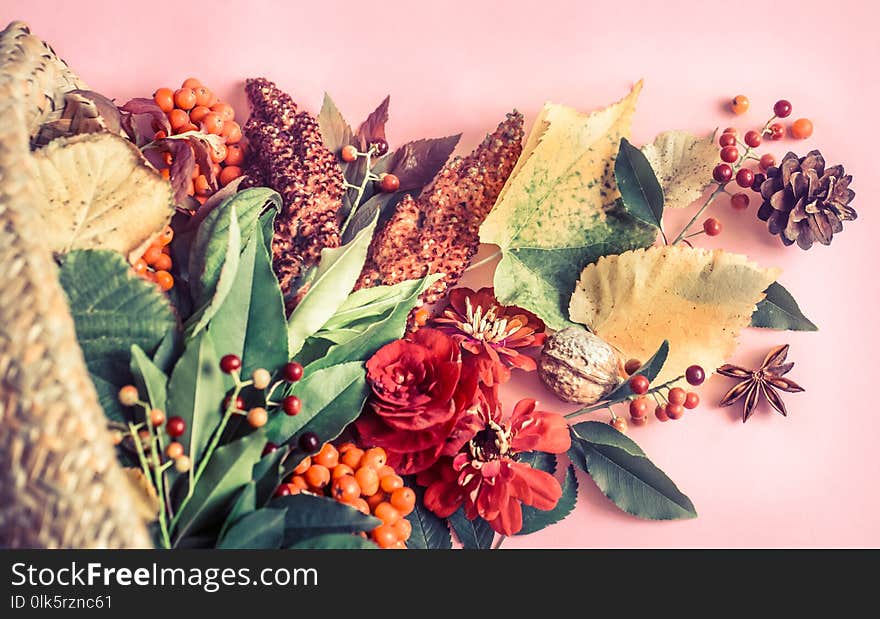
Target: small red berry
<point>349,153</point>
<point>727,139</point>
<point>292,405</point>
<point>639,384</point>
<point>677,395</point>
<point>230,363</point>
<point>239,403</point>
<point>692,400</point>
<point>729,154</point>
<point>752,138</point>
<point>660,412</point>
<point>695,375</point>
<point>674,411</point>
<point>740,201</point>
<point>638,421</point>
<point>282,490</point>
<point>759,180</point>
<point>722,173</point>
<point>632,366</point>
<point>619,424</point>
<point>782,108</point>
<point>730,130</point>
<point>175,427</point>
<point>389,183</point>
<point>309,442</point>
<point>777,131</point>
<point>712,227</point>
<point>270,448</point>
<point>767,160</point>
<point>292,372</point>
<point>638,407</point>
<point>380,146</point>
<point>744,178</point>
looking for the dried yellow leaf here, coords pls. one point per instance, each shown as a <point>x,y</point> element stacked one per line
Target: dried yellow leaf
<point>683,165</point>
<point>100,193</point>
<point>146,499</point>
<point>697,299</point>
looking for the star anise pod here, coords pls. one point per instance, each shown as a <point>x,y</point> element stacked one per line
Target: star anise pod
<point>761,382</point>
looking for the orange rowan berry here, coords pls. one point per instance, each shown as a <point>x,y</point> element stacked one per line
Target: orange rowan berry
<point>801,129</point>
<point>225,110</point>
<point>231,131</point>
<point>328,456</point>
<point>187,127</point>
<point>374,458</point>
<point>352,457</point>
<point>185,98</point>
<point>374,500</point>
<point>229,174</point>
<point>360,505</point>
<point>152,254</point>
<point>739,104</point>
<point>212,123</point>
<point>341,470</point>
<point>420,316</point>
<point>299,481</point>
<point>317,476</point>
<point>385,471</point>
<point>164,98</point>
<point>198,113</point>
<point>234,155</point>
<point>163,263</point>
<point>345,489</point>
<point>386,512</point>
<point>403,500</point>
<point>203,187</point>
<point>166,236</point>
<point>368,480</point>
<point>165,280</point>
<point>293,489</point>
<point>177,119</point>
<point>218,153</point>
<point>191,82</point>
<point>403,528</point>
<point>303,466</point>
<point>390,483</point>
<point>385,536</point>
<point>204,96</point>
<point>140,266</point>
<point>257,417</point>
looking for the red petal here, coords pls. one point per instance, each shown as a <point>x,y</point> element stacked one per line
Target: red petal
<point>533,487</point>
<point>443,498</point>
<point>542,431</point>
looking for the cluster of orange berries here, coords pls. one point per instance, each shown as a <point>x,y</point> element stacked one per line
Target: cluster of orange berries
<point>155,265</point>
<point>155,417</point>
<point>800,129</point>
<point>193,107</point>
<point>676,399</point>
<point>362,479</point>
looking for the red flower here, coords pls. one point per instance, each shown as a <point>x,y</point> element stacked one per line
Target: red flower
<point>491,332</point>
<point>486,477</point>
<point>423,402</point>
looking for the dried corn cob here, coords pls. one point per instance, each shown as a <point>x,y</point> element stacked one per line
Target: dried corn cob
<point>439,232</point>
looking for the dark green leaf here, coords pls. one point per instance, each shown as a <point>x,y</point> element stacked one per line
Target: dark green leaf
<point>244,505</point>
<point>267,475</point>
<point>335,541</point>
<point>625,475</point>
<point>228,471</point>
<point>650,369</point>
<point>381,204</point>
<point>416,163</point>
<point>779,310</point>
<point>335,131</point>
<point>538,460</point>
<point>195,392</point>
<point>309,515</point>
<point>260,530</point>
<point>335,277</point>
<point>329,396</point>
<point>149,379</point>
<point>473,534</point>
<point>251,322</point>
<point>534,519</point>
<point>429,532</point>
<point>639,188</point>
<point>112,310</point>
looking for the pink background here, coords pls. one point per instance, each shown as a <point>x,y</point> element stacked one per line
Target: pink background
<point>809,480</point>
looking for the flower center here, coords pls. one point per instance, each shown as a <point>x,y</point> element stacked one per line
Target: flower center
<point>490,443</point>
<point>485,325</point>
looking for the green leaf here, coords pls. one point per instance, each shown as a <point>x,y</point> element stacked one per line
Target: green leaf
<point>429,532</point>
<point>416,163</point>
<point>538,460</point>
<point>625,475</point>
<point>558,211</point>
<point>639,189</point>
<point>473,534</point>
<point>335,277</point>
<point>209,251</point>
<point>376,301</point>
<point>535,519</point>
<point>335,541</point>
<point>226,276</point>
<point>331,399</point>
<point>112,310</point>
<point>194,394</point>
<point>228,471</point>
<point>309,515</point>
<point>149,379</point>
<point>251,322</point>
<point>650,369</point>
<point>267,475</point>
<point>244,505</point>
<point>779,310</point>
<point>335,131</point>
<point>259,530</point>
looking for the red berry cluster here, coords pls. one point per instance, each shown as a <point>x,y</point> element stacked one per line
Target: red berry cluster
<point>260,380</point>
<point>676,399</point>
<point>388,183</point>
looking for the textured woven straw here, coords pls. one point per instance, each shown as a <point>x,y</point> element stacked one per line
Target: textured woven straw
<point>60,483</point>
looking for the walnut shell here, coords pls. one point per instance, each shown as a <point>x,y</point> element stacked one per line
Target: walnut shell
<point>579,366</point>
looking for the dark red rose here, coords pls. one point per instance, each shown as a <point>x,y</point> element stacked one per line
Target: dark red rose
<point>424,402</point>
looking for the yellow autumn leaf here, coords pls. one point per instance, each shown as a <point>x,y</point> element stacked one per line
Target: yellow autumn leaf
<point>697,299</point>
<point>98,192</point>
<point>146,500</point>
<point>683,165</point>
<point>559,211</point>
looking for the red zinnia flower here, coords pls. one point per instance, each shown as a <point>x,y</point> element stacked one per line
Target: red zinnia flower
<point>491,332</point>
<point>486,477</point>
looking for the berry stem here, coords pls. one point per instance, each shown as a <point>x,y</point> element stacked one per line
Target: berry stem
<point>712,196</point>
<point>156,449</point>
<point>500,541</point>
<point>597,407</point>
<point>368,177</point>
<point>142,458</point>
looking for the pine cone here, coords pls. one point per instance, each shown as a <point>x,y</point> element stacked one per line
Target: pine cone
<point>804,202</point>
<point>288,155</point>
<point>439,231</point>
